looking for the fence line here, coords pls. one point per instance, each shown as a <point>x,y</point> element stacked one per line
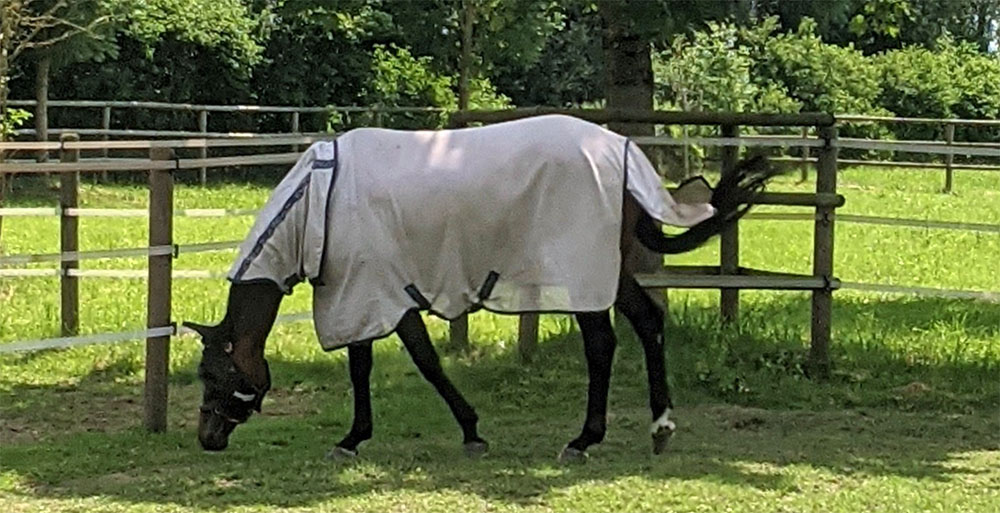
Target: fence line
<point>222,108</point>
<point>981,295</point>
<point>127,132</point>
<point>920,166</point>
<point>90,165</point>
<point>846,118</point>
<point>857,118</point>
<point>108,338</point>
<point>120,212</point>
<point>77,256</point>
<point>101,338</point>
<point>124,336</point>
<point>883,221</point>
<point>197,142</point>
<point>132,274</point>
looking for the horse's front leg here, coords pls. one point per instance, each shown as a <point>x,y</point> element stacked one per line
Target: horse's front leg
<point>414,335</point>
<point>360,362</point>
<point>599,347</point>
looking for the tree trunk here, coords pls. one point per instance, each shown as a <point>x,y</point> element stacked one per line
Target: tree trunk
<point>628,67</point>
<point>465,62</point>
<point>42,68</point>
<point>628,84</point>
<point>6,36</point>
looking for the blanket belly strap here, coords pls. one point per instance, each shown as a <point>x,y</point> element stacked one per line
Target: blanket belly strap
<point>487,288</point>
<point>417,297</point>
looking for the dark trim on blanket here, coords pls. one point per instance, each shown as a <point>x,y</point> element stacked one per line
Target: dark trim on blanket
<point>258,246</point>
<point>449,319</point>
<point>317,281</point>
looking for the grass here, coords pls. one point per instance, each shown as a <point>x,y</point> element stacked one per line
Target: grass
<point>910,420</point>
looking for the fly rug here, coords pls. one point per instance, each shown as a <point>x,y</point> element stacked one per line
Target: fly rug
<point>537,215</point>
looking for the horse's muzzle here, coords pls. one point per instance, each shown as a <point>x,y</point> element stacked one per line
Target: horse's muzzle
<point>213,431</point>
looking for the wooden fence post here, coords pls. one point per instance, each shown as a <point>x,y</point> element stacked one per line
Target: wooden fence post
<point>458,332</point>
<point>106,125</point>
<point>822,300</point>
<point>527,336</point>
<point>295,129</point>
<point>729,254</point>
<point>69,185</point>
<point>203,151</point>
<point>161,212</point>
<point>805,156</point>
<point>949,159</point>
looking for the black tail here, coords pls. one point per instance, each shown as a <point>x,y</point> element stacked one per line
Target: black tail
<point>732,198</point>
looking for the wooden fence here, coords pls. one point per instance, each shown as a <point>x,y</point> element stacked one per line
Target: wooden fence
<point>161,164</point>
<point>375,114</point>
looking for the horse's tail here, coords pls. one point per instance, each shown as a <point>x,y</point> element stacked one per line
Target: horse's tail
<point>732,198</point>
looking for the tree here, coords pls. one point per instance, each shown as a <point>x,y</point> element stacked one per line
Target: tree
<point>167,50</point>
<point>40,26</point>
<point>37,25</point>
<point>877,25</point>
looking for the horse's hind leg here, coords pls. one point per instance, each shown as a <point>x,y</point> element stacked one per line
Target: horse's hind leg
<point>413,333</point>
<point>360,361</point>
<point>647,320</point>
<point>599,348</point>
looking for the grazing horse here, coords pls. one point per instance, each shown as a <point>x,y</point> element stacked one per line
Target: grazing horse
<point>543,214</point>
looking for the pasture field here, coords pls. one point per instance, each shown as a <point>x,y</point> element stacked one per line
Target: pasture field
<point>910,420</point>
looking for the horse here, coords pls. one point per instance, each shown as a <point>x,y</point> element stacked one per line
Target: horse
<point>545,214</point>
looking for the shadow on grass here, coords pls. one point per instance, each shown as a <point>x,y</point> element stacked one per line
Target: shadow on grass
<point>757,434</point>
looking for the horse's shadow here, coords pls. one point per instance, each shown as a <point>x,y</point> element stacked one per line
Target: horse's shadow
<point>527,412</point>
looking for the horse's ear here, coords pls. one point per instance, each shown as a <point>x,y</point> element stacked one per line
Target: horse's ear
<point>205,331</point>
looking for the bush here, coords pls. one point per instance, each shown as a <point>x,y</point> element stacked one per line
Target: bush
<point>400,79</point>
<point>823,77</point>
<point>952,80</point>
<point>12,120</point>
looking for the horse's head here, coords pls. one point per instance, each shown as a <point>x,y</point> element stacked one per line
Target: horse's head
<point>235,383</point>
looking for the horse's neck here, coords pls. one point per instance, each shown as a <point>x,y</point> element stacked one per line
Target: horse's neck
<point>252,310</point>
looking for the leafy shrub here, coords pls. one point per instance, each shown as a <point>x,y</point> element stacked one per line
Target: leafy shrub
<point>822,77</point>
<point>400,79</point>
<point>12,120</point>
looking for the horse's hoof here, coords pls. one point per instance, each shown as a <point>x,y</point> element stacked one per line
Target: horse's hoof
<point>341,453</point>
<point>661,437</point>
<point>476,448</point>
<point>571,455</point>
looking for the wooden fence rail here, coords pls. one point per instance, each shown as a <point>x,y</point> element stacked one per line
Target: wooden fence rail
<point>729,277</point>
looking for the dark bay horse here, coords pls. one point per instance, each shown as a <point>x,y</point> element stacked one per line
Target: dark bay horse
<point>236,376</point>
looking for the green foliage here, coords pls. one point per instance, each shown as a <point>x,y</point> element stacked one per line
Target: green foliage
<point>12,120</point>
<point>226,25</point>
<point>953,80</point>
<point>399,79</point>
<point>712,71</point>
<point>824,77</point>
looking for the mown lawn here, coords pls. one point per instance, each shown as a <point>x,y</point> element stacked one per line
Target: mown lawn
<point>910,420</point>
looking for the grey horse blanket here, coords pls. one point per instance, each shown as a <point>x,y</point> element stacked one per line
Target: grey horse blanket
<point>513,217</point>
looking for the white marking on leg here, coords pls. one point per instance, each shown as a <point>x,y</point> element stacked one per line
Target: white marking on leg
<point>663,422</point>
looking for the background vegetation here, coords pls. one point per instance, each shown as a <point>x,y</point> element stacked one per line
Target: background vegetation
<point>903,57</point>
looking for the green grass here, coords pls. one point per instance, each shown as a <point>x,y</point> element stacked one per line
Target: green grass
<point>910,420</point>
